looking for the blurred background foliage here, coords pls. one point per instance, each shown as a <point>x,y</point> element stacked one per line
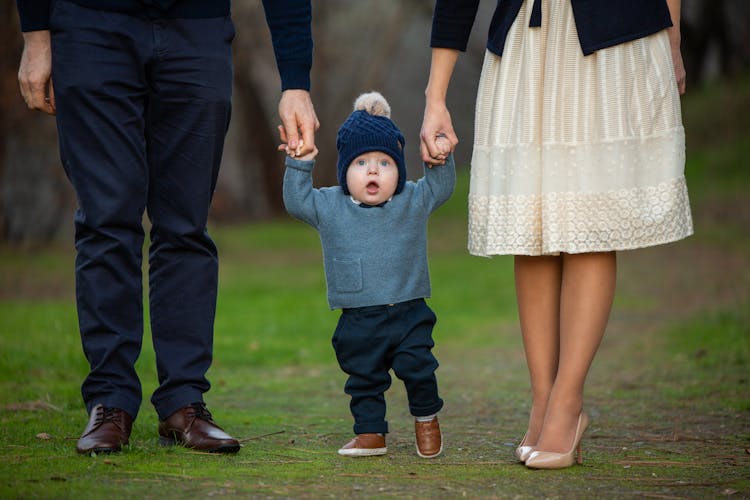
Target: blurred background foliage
<point>359,46</point>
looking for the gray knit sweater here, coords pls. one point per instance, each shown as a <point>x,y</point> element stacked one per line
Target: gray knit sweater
<point>376,255</point>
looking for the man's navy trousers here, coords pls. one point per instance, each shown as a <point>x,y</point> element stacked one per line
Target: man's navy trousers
<point>369,341</point>
<point>143,106</point>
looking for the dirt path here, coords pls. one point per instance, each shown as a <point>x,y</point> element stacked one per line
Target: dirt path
<point>664,425</point>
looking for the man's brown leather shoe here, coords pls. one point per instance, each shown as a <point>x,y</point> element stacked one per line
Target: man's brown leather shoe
<point>108,429</point>
<point>193,427</point>
<point>429,438</point>
<point>365,445</point>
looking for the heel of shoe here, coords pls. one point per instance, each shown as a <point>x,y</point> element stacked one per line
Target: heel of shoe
<point>553,460</point>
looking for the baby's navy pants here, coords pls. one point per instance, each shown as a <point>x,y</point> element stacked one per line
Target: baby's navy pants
<point>369,341</point>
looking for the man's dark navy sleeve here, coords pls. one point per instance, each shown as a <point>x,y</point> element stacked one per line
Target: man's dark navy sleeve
<point>291,33</point>
<point>289,22</point>
<point>34,14</point>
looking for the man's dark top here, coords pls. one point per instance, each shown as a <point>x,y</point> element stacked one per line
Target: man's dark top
<point>288,20</point>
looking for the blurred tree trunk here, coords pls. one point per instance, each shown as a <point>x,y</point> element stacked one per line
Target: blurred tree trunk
<point>715,38</point>
<point>8,53</point>
<point>359,46</point>
<point>263,177</point>
<point>249,185</point>
<point>36,202</point>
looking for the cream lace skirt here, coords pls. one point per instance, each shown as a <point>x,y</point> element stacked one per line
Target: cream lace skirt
<point>576,154</point>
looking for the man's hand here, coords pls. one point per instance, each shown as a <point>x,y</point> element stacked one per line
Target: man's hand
<point>284,146</point>
<point>35,72</point>
<point>298,121</point>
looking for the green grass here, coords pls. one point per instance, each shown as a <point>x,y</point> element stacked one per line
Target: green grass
<point>668,392</point>
<point>714,348</point>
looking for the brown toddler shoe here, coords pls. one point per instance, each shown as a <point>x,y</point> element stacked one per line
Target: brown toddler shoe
<point>429,438</point>
<point>364,445</point>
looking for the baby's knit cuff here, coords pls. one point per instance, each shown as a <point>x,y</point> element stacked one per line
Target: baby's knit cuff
<point>304,165</point>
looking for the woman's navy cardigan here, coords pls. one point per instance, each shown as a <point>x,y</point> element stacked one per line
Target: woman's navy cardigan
<point>600,23</point>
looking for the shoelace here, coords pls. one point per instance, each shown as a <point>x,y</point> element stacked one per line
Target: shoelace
<point>200,411</point>
<point>108,415</point>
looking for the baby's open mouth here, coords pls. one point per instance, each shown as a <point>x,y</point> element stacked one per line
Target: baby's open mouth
<point>372,187</point>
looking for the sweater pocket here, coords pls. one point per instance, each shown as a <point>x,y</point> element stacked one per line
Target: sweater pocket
<point>347,275</point>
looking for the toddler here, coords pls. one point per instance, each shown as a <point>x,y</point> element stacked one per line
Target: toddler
<point>373,229</point>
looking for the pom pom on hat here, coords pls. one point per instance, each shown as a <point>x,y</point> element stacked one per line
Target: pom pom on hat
<point>370,128</point>
<point>374,103</point>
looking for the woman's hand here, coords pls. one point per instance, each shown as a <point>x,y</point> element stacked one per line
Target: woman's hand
<point>679,66</point>
<point>437,138</point>
<point>675,7</point>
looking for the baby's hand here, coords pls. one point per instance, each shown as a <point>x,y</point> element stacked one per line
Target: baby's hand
<point>444,149</point>
<point>444,145</point>
<point>294,152</point>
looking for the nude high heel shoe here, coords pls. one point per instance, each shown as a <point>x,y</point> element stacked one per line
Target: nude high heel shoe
<point>523,451</point>
<point>551,460</point>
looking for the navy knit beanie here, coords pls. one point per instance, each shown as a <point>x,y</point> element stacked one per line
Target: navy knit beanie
<point>370,128</point>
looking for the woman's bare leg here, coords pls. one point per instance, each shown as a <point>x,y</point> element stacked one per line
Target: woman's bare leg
<point>588,287</point>
<point>538,282</point>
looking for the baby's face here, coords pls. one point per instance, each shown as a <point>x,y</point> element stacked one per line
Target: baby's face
<point>372,177</point>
